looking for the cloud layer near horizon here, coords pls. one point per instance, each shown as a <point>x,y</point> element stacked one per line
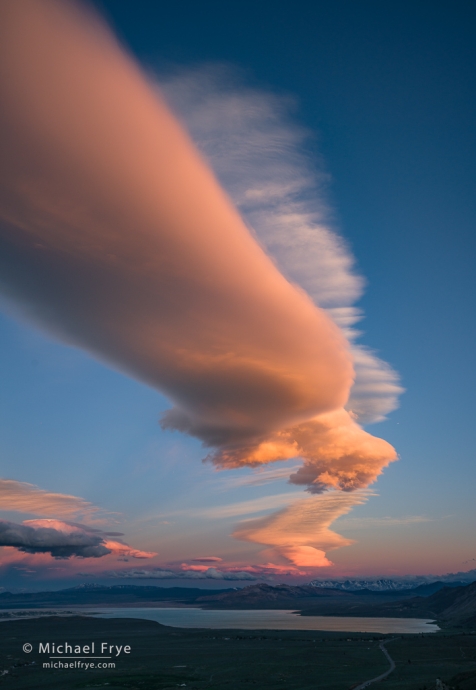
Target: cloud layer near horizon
<point>165,574</point>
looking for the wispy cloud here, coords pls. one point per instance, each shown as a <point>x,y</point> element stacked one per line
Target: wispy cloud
<point>27,498</point>
<point>258,152</point>
<point>385,521</point>
<point>256,505</point>
<point>262,476</point>
<point>377,387</point>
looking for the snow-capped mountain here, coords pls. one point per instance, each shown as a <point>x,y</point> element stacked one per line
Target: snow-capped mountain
<point>382,585</point>
<point>397,584</point>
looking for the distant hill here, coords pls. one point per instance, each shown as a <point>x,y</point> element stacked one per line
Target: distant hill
<point>97,595</point>
<point>432,587</point>
<point>264,595</point>
<point>453,607</point>
<point>456,607</point>
<point>254,596</point>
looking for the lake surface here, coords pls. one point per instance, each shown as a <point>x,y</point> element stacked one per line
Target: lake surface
<point>267,620</point>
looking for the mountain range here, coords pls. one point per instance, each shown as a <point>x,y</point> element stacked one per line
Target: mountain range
<point>98,595</point>
<point>388,585</point>
<point>452,606</point>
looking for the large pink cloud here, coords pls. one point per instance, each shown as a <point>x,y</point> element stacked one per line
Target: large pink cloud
<point>116,236</point>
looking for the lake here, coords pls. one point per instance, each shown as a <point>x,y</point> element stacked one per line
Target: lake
<point>268,620</point>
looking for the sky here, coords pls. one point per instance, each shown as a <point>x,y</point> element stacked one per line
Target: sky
<point>209,230</point>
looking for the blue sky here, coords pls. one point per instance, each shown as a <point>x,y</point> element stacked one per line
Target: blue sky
<point>386,94</point>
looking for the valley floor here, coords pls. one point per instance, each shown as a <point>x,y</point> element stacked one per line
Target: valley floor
<point>163,658</point>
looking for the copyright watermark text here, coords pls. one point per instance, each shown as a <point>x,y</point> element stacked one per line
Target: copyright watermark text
<point>78,656</point>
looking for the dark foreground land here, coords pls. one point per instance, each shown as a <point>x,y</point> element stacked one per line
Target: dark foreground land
<point>163,658</point>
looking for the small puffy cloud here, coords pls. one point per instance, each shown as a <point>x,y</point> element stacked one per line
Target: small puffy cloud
<point>207,559</point>
<point>197,568</point>
<point>124,551</point>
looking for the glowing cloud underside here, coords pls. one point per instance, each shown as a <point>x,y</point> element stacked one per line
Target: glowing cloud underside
<point>116,236</point>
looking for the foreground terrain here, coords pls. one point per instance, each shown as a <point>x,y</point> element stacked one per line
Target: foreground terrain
<point>162,658</point>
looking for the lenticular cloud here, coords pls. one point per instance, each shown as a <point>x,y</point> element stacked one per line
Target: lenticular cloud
<point>117,237</point>
<point>258,153</point>
<point>300,533</point>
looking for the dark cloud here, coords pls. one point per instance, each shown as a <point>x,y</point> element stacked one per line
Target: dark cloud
<point>60,544</point>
